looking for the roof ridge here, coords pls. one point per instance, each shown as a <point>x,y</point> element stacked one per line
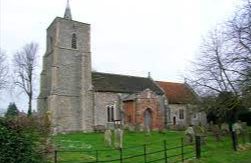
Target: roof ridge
<point>123,83</point>
<point>170,82</point>
<point>120,74</point>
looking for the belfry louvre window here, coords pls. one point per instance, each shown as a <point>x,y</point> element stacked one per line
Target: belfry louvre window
<point>74,41</point>
<point>110,113</point>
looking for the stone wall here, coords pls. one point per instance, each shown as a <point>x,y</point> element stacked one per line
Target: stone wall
<point>66,88</point>
<point>104,99</point>
<point>65,113</point>
<point>199,117</point>
<point>175,110</point>
<point>191,115</point>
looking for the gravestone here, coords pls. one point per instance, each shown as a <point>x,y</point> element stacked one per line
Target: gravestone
<point>118,138</point>
<point>108,138</point>
<point>237,128</point>
<point>189,133</point>
<point>201,131</point>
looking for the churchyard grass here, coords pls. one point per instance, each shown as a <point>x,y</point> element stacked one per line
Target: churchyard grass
<point>222,152</point>
<point>85,144</point>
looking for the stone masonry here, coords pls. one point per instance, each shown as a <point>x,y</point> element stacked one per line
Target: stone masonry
<point>66,86</point>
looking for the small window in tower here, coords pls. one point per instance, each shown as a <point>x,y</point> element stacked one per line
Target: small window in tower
<point>74,41</point>
<point>51,43</point>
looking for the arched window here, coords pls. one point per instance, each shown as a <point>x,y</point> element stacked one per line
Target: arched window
<point>110,113</point>
<point>74,41</point>
<point>181,114</point>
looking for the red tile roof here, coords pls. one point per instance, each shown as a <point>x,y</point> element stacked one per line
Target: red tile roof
<point>177,93</point>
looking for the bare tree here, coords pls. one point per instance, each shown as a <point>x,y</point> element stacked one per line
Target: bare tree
<point>223,68</point>
<point>239,33</point>
<point>25,63</point>
<point>217,78</point>
<point>3,70</point>
<point>225,61</point>
<point>210,73</point>
<point>222,72</point>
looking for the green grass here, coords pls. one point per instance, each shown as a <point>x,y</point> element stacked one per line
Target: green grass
<point>222,152</point>
<point>85,145</point>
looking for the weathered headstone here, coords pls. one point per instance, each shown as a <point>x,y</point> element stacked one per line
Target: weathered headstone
<point>237,128</point>
<point>118,138</point>
<point>201,131</point>
<point>108,138</point>
<point>189,133</point>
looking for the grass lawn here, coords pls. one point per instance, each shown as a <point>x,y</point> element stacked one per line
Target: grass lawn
<point>83,146</point>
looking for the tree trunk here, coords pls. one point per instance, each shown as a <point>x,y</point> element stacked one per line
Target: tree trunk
<point>30,106</point>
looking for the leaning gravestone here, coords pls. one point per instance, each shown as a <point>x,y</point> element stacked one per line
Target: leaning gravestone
<point>118,138</point>
<point>108,138</point>
<point>189,133</point>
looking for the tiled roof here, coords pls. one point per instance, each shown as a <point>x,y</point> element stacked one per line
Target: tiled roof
<point>177,93</point>
<point>105,82</point>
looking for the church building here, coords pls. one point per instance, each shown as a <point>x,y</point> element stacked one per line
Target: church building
<point>78,99</point>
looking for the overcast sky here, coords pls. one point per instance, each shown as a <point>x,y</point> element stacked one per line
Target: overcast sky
<point>127,36</point>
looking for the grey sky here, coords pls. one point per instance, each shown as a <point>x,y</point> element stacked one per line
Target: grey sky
<point>127,36</point>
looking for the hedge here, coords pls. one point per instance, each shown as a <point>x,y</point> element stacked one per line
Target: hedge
<point>22,140</point>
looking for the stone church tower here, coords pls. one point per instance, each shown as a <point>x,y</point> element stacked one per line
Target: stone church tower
<point>66,86</point>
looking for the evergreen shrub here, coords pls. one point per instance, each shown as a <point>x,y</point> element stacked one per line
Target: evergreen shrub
<point>23,140</point>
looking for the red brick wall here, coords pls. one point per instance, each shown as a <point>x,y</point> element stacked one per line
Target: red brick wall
<point>136,109</point>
